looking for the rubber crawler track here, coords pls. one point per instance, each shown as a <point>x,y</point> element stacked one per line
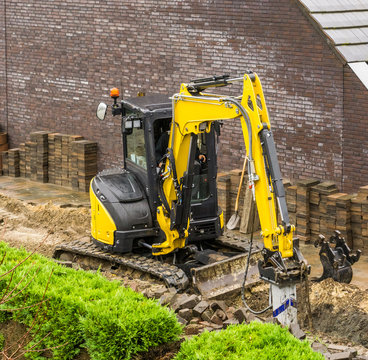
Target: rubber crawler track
<point>170,274</point>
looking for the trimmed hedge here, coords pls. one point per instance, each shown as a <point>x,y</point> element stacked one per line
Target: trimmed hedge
<point>85,310</point>
<point>254,341</point>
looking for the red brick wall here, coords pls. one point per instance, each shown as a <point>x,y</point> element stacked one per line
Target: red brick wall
<point>355,138</point>
<point>64,56</point>
<point>2,67</point>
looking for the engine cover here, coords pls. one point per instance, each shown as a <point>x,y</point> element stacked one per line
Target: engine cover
<point>120,210</point>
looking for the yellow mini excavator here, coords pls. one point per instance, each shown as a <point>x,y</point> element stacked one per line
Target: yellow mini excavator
<point>163,203</point>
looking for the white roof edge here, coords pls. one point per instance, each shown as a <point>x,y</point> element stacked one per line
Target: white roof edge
<point>361,70</point>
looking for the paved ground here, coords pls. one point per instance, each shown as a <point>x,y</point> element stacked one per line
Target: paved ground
<point>38,193</point>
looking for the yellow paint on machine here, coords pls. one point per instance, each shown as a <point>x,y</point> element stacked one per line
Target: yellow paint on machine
<point>221,220</point>
<point>102,225</point>
<point>194,114</point>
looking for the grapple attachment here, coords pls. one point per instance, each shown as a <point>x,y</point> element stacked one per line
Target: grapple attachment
<point>336,261</point>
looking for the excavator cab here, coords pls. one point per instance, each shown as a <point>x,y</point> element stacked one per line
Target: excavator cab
<point>129,197</point>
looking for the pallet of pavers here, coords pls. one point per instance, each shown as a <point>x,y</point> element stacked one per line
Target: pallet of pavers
<point>61,159</point>
<point>58,158</point>
<point>84,163</point>
<point>28,151</point>
<point>359,219</point>
<point>4,157</point>
<point>40,153</point>
<point>13,163</point>
<point>73,168</point>
<point>3,146</point>
<point>22,160</point>
<point>51,158</point>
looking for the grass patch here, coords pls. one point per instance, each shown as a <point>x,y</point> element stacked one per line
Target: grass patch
<point>83,310</point>
<point>254,341</point>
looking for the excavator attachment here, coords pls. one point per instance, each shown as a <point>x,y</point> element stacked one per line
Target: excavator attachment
<point>336,261</point>
<point>225,277</point>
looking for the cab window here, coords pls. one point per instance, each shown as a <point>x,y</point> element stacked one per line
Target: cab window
<point>201,190</point>
<point>135,147</point>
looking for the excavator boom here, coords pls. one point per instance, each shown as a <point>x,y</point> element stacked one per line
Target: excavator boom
<point>194,113</point>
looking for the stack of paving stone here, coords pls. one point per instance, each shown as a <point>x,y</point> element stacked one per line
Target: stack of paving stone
<point>315,208</point>
<point>314,214</point>
<point>338,216</point>
<point>302,208</point>
<point>359,219</point>
<point>58,139</point>
<point>33,158</point>
<point>61,159</point>
<point>40,153</point>
<point>51,142</point>
<point>70,168</point>
<point>84,163</point>
<point>291,203</point>
<point>65,140</point>
<point>318,209</point>
<point>22,160</point>
<point>13,163</point>
<point>4,160</point>
<point>28,147</point>
<point>3,146</point>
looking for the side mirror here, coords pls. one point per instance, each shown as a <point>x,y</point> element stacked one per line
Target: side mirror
<point>101,111</point>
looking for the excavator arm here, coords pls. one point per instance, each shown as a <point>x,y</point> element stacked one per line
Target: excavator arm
<point>193,113</point>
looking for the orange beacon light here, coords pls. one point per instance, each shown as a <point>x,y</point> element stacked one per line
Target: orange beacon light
<point>114,93</point>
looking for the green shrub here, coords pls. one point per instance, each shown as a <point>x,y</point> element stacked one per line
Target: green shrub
<point>84,309</point>
<point>137,327</point>
<point>254,341</point>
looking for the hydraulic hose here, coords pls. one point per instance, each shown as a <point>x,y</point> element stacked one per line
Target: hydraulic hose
<point>247,121</point>
<point>247,267</point>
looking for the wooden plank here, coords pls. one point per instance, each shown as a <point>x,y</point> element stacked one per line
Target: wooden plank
<point>246,225</point>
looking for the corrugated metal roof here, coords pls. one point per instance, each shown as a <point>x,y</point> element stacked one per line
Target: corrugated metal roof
<point>345,25</point>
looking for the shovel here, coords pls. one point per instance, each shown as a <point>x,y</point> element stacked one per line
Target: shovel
<point>235,218</point>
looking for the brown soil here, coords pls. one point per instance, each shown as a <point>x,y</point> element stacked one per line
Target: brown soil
<point>16,338</point>
<point>45,226</point>
<point>14,335</point>
<point>340,310</point>
<point>162,352</point>
<point>257,298</point>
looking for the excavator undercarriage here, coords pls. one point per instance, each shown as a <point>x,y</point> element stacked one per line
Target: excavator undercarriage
<point>212,273</point>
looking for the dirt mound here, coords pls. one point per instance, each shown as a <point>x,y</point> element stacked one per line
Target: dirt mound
<point>11,205</point>
<point>49,216</point>
<point>30,225</point>
<point>56,218</point>
<point>340,310</point>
